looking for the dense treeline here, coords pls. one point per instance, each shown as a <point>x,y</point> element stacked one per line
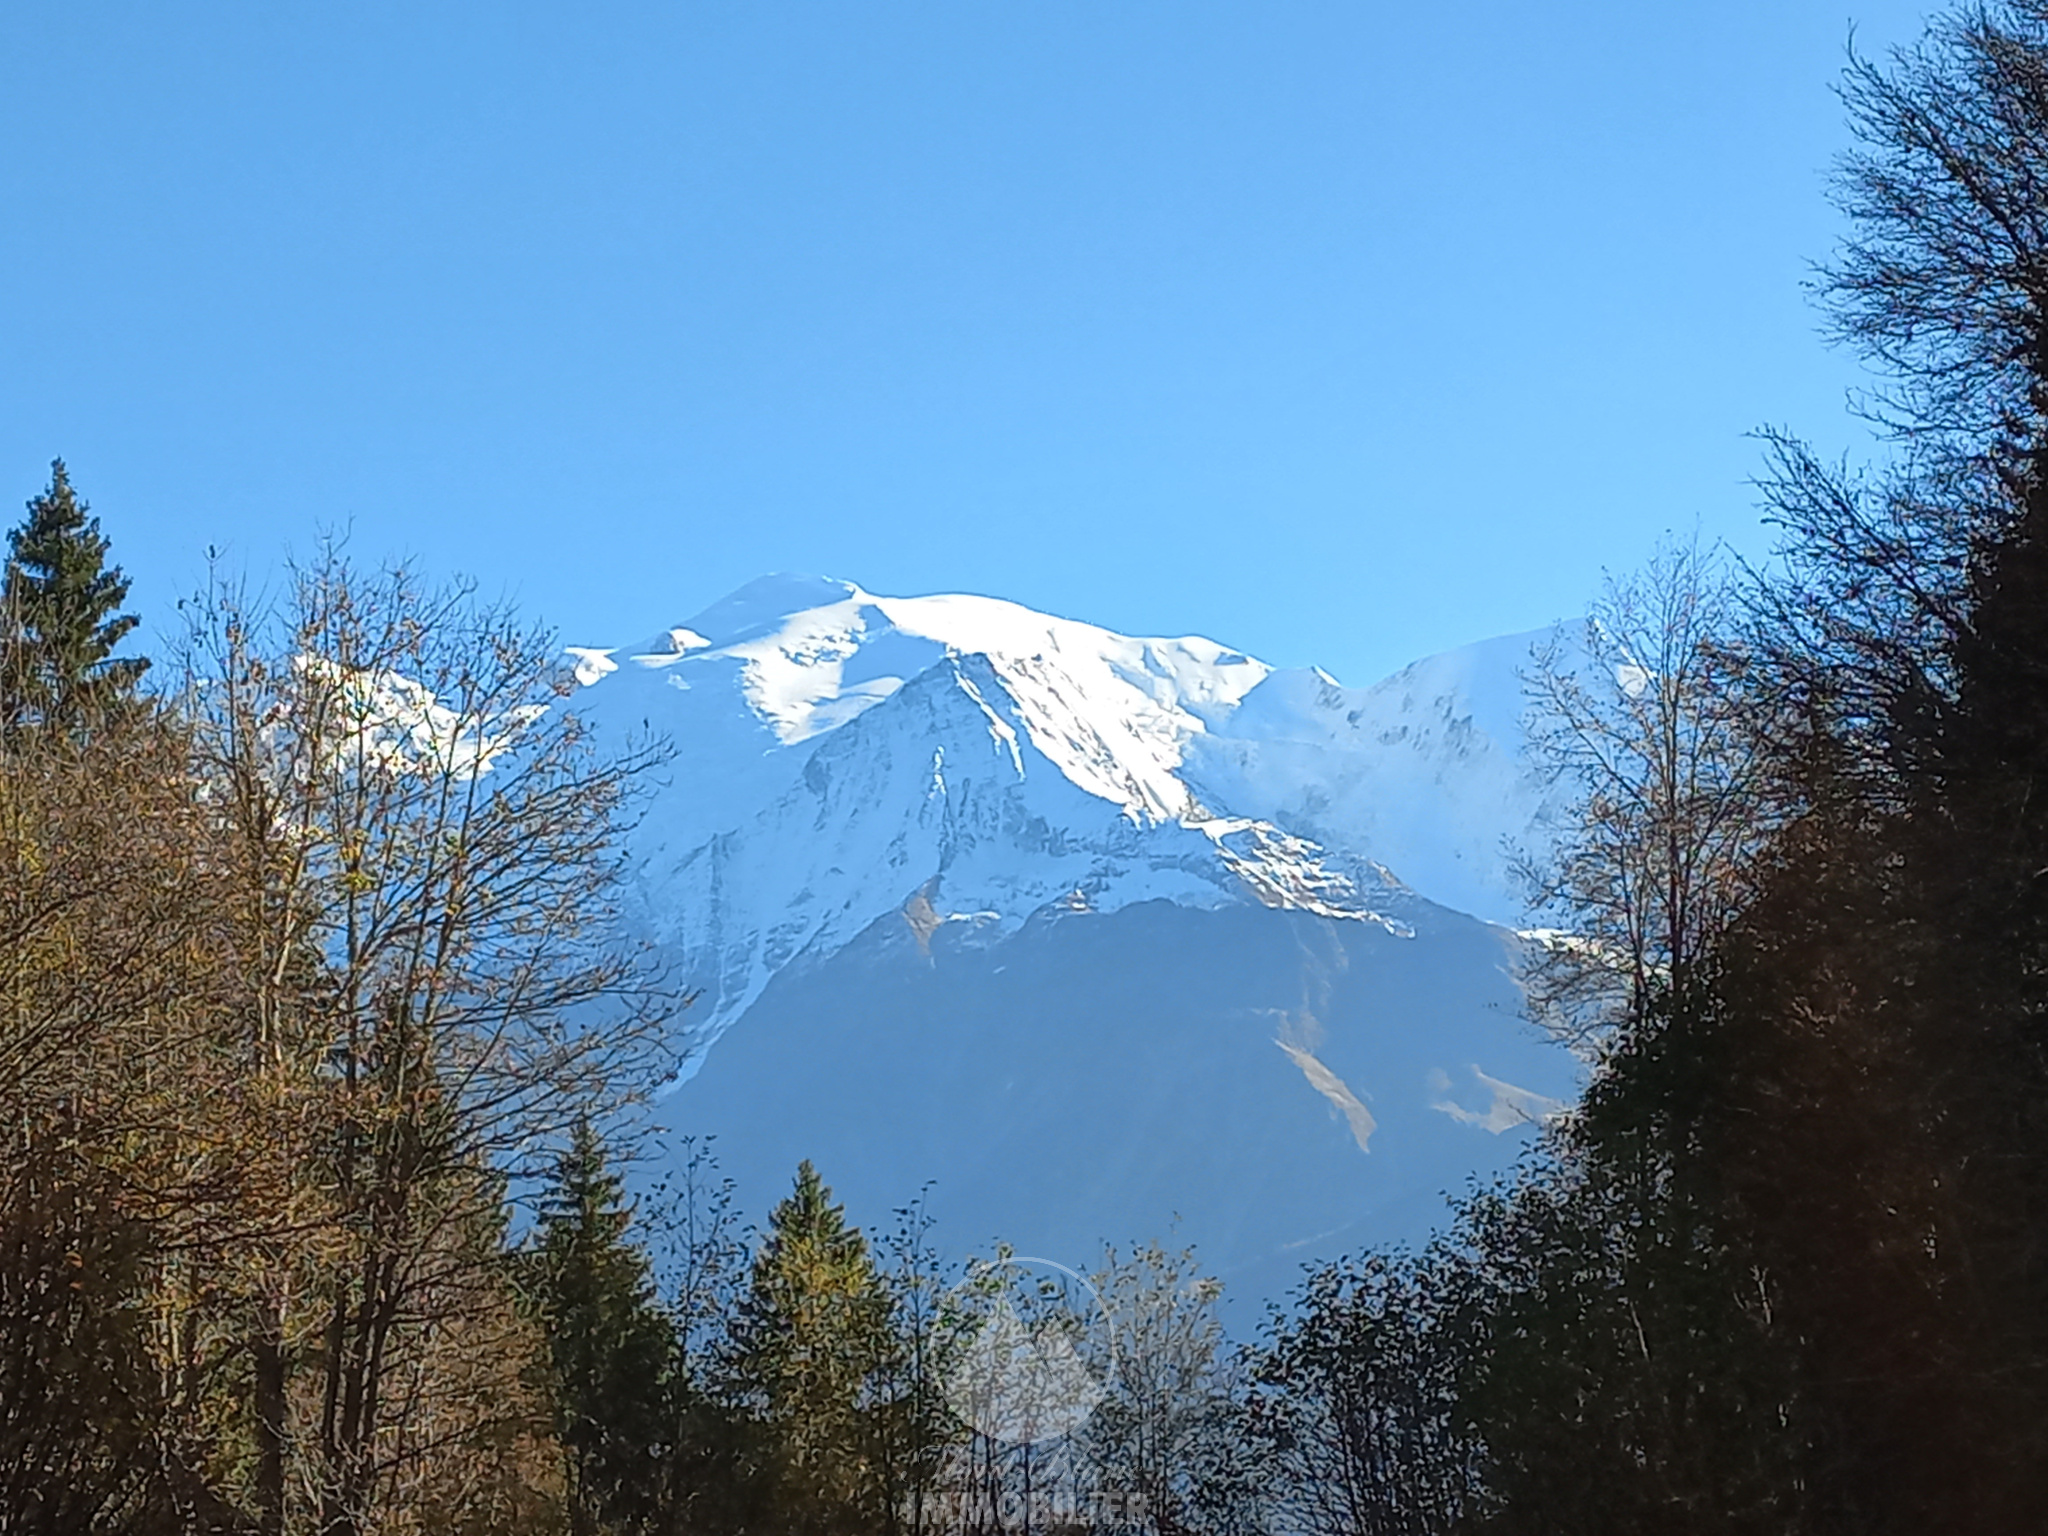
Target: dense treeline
<point>309,994</point>
<point>290,985</point>
<point>311,987</point>
<point>1784,1269</point>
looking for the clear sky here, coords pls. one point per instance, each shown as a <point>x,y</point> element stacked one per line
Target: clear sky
<point>1341,332</point>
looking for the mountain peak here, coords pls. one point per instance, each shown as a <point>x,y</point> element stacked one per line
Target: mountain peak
<point>1035,889</point>
<point>765,603</point>
<point>841,750</point>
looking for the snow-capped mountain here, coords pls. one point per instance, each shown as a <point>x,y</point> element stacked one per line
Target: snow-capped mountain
<point>1090,929</point>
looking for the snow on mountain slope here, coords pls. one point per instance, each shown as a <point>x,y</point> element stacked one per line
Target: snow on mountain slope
<point>1093,929</point>
<point>1426,771</point>
<point>838,752</point>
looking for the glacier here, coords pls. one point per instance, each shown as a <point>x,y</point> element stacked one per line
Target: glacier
<point>1100,933</point>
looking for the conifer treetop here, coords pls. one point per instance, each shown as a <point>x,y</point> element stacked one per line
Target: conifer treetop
<point>62,619</point>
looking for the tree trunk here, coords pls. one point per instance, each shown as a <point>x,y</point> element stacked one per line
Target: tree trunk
<point>269,1361</point>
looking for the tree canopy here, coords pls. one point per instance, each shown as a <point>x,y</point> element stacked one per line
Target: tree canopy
<point>60,618</point>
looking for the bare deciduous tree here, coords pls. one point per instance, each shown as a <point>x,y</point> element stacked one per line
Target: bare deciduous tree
<point>1152,1438</point>
<point>1669,787</point>
<point>423,846</point>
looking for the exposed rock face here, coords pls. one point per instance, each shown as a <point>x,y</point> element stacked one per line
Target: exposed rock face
<point>1285,1084</point>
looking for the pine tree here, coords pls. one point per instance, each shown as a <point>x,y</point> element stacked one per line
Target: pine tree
<point>609,1340</point>
<point>61,622</point>
<point>814,1329</point>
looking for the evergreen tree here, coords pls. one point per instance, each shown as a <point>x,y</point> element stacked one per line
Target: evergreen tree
<point>609,1340</point>
<point>60,624</point>
<point>814,1329</point>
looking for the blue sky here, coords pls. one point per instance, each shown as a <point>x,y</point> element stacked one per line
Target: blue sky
<point>1340,332</point>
